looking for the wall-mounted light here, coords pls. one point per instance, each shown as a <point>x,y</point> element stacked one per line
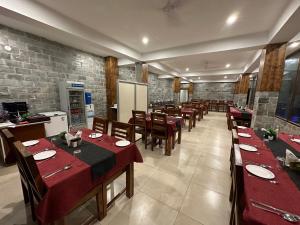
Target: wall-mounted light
<point>7,48</point>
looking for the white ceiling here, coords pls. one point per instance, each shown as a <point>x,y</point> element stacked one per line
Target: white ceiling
<point>193,21</point>
<point>193,35</point>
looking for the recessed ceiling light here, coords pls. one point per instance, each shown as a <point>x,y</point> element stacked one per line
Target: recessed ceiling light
<point>227,65</point>
<point>225,77</point>
<point>184,77</point>
<point>7,48</point>
<point>187,69</point>
<point>145,40</point>
<point>199,78</point>
<point>232,19</point>
<point>295,44</point>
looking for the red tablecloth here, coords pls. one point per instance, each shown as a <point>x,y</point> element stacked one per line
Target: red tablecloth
<point>188,111</point>
<point>284,195</point>
<point>65,189</point>
<point>171,123</point>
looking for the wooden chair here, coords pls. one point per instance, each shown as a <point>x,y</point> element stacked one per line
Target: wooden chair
<point>100,125</point>
<point>235,140</point>
<point>38,188</point>
<point>140,125</point>
<point>173,112</point>
<point>10,139</point>
<point>170,106</point>
<point>122,130</point>
<point>159,130</point>
<point>237,188</point>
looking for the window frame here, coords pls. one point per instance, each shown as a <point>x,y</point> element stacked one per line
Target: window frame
<point>292,93</point>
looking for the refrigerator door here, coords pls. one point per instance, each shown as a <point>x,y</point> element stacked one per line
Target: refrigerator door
<point>77,107</point>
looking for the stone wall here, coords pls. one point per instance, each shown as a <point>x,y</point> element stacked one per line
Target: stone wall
<point>213,91</point>
<point>286,127</point>
<point>240,99</point>
<point>32,69</point>
<point>160,89</point>
<point>264,109</point>
<point>127,73</point>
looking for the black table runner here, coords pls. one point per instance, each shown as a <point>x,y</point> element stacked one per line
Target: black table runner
<point>101,160</point>
<point>278,148</point>
<point>245,115</point>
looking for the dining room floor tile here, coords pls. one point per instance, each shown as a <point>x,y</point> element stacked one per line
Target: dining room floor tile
<point>191,187</point>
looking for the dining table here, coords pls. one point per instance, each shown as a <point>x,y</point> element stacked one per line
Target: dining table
<point>242,116</point>
<point>98,161</point>
<point>191,114</point>
<point>174,125</point>
<point>282,192</point>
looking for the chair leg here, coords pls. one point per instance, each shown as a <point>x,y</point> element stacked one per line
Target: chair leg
<point>152,142</point>
<point>25,193</point>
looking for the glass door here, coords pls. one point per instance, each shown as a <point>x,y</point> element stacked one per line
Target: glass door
<point>77,107</point>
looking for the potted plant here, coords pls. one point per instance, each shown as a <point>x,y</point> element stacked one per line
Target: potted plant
<point>271,134</point>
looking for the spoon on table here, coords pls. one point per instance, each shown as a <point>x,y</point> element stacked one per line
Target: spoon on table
<point>287,216</point>
<point>66,167</point>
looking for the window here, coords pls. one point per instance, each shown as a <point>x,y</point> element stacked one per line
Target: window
<point>288,106</point>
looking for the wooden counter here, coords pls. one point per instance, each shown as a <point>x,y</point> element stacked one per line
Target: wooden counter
<point>22,132</point>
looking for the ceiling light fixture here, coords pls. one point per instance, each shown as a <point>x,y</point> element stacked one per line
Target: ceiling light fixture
<point>145,40</point>
<point>187,69</point>
<point>225,77</point>
<point>7,48</point>
<point>227,65</point>
<point>295,44</point>
<point>232,19</point>
<point>184,77</point>
<point>199,78</point>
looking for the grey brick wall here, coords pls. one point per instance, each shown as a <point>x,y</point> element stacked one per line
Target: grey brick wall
<point>160,89</point>
<point>32,69</point>
<point>213,91</point>
<point>127,73</point>
<point>240,99</point>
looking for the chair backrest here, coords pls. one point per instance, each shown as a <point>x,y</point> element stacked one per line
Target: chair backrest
<point>28,166</point>
<point>100,125</point>
<point>170,106</point>
<point>159,123</point>
<point>139,118</point>
<point>122,130</point>
<point>173,112</point>
<point>8,138</point>
<point>157,109</point>
<point>187,105</point>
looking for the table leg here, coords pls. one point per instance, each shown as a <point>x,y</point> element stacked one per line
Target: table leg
<point>168,145</point>
<point>194,120</point>
<point>199,115</point>
<point>130,180</point>
<point>101,199</point>
<point>190,123</point>
<point>179,135</point>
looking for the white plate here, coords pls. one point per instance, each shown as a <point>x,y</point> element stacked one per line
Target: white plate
<point>244,135</point>
<point>248,148</point>
<point>260,172</point>
<point>30,143</point>
<point>95,135</point>
<point>241,127</point>
<point>178,117</point>
<point>296,140</point>
<point>122,143</point>
<point>44,155</point>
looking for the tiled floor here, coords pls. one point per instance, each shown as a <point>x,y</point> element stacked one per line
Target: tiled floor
<point>189,188</point>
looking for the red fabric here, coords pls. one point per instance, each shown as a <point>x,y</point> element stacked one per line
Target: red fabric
<point>171,123</point>
<point>284,195</point>
<point>287,138</point>
<point>235,112</point>
<point>188,111</point>
<point>67,188</point>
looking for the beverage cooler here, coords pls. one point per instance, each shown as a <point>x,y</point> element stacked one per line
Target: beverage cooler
<point>72,102</point>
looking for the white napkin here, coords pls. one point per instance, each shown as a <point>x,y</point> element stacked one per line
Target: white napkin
<point>70,137</point>
<point>296,140</point>
<point>290,157</point>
